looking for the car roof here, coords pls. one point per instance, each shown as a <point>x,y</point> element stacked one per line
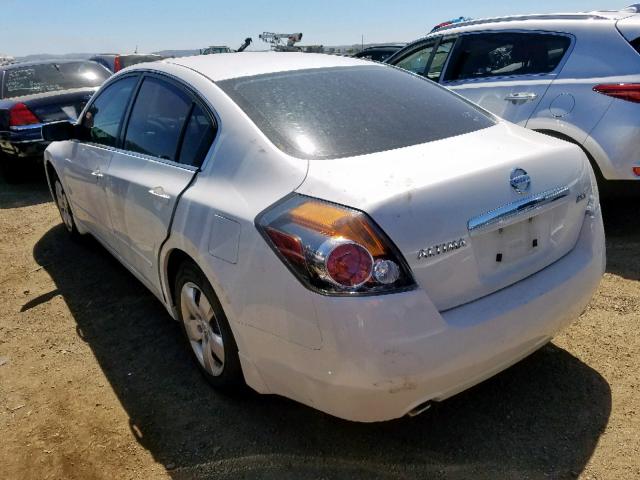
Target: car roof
<point>608,15</point>
<point>225,66</point>
<point>385,45</point>
<point>42,62</point>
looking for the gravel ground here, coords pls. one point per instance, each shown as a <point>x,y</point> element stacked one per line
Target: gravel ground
<point>95,382</point>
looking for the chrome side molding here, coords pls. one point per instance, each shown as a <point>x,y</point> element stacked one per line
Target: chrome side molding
<point>501,215</point>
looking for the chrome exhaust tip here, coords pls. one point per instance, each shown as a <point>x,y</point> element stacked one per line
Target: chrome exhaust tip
<point>423,407</point>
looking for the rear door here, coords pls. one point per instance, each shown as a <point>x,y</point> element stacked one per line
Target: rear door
<point>167,136</point>
<point>507,72</point>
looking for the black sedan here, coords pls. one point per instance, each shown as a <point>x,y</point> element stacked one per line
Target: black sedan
<point>36,93</point>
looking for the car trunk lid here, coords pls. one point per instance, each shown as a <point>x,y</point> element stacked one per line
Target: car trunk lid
<point>451,209</point>
<point>57,106</point>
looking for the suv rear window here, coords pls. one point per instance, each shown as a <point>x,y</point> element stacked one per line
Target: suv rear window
<point>349,111</point>
<point>506,54</point>
<point>50,77</point>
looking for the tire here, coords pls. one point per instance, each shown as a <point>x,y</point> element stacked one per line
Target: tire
<point>206,329</point>
<point>62,202</point>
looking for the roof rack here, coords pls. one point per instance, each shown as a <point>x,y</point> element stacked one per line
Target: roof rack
<point>515,18</point>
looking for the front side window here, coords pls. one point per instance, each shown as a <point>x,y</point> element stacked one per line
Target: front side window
<point>157,118</point>
<point>506,54</point>
<point>348,111</point>
<point>104,117</point>
<point>416,62</point>
<point>52,77</point>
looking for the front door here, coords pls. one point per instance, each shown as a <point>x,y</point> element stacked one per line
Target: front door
<point>89,159</point>
<point>507,73</point>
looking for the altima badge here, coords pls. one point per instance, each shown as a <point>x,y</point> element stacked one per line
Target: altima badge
<point>520,180</point>
<point>441,248</point>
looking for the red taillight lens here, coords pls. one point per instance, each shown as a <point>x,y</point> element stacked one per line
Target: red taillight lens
<point>333,249</point>
<point>636,171</point>
<point>624,91</point>
<point>349,265</point>
<point>20,115</point>
<point>117,64</point>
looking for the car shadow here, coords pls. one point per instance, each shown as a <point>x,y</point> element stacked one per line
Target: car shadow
<point>623,236</point>
<point>539,419</point>
<point>31,189</point>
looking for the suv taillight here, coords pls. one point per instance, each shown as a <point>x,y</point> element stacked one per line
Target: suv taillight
<point>624,91</point>
<point>332,249</point>
<point>117,64</point>
<point>20,115</point>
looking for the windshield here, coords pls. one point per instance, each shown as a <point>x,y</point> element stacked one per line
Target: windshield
<point>50,77</point>
<point>348,111</point>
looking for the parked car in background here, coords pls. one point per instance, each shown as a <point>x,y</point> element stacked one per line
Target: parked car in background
<point>213,49</point>
<point>34,94</point>
<point>117,61</point>
<point>379,53</point>
<point>572,76</point>
<point>365,243</point>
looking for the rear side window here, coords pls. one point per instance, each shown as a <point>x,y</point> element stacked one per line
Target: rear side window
<point>198,136</point>
<point>157,118</point>
<point>506,54</point>
<point>636,44</point>
<point>416,61</point>
<point>105,115</point>
<point>349,111</point>
<point>439,59</point>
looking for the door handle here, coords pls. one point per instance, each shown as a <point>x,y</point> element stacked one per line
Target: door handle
<point>521,97</point>
<point>159,192</point>
<point>97,173</point>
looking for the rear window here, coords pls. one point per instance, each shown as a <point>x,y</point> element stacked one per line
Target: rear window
<point>506,54</point>
<point>128,60</point>
<point>51,77</point>
<point>343,112</point>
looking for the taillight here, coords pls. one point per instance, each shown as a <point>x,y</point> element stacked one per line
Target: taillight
<point>20,115</point>
<point>117,64</point>
<point>332,249</point>
<point>624,91</point>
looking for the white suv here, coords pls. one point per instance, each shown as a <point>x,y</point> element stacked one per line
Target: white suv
<point>572,76</point>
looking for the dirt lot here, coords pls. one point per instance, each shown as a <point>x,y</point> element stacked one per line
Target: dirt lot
<point>95,382</point>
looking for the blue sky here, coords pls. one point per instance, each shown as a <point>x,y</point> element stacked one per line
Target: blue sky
<point>65,26</point>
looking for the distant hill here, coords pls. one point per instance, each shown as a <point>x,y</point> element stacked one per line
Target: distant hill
<point>47,56</point>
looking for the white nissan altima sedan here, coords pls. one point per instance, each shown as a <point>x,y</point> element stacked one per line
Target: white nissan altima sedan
<point>342,233</point>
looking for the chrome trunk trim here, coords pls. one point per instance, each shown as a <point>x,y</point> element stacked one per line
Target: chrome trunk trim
<point>501,215</point>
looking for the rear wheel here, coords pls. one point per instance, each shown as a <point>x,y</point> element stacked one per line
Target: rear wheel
<point>62,202</point>
<point>206,329</point>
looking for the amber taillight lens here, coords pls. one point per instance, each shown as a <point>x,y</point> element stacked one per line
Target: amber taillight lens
<point>332,249</point>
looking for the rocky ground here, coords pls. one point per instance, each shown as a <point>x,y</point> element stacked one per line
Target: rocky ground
<point>95,382</point>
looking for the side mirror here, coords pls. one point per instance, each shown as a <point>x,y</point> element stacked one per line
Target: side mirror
<point>59,131</point>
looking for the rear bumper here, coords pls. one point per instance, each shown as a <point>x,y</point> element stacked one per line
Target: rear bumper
<point>383,356</point>
<point>21,142</point>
